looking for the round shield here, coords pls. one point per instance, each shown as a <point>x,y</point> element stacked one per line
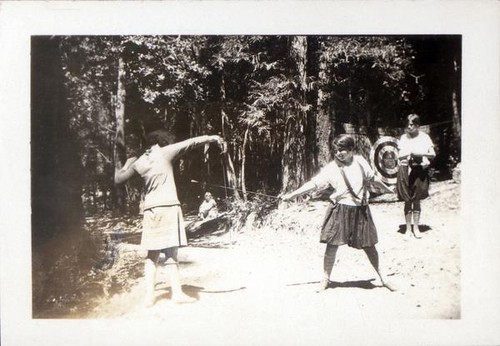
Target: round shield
<point>384,157</point>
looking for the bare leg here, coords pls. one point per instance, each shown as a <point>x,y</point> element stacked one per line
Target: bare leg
<point>408,217</point>
<point>178,296</point>
<point>150,265</point>
<point>328,262</point>
<point>372,254</point>
<point>416,224</point>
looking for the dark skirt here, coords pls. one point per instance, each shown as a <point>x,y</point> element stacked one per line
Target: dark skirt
<point>412,186</point>
<point>351,225</point>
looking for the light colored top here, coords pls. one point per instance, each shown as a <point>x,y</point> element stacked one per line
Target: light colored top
<point>155,166</point>
<point>421,144</point>
<point>358,173</point>
<point>208,209</point>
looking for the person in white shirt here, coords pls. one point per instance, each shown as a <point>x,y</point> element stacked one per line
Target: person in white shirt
<point>162,224</point>
<point>208,208</point>
<point>348,218</point>
<point>415,152</point>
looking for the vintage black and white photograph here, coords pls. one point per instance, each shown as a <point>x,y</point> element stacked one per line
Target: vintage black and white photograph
<point>219,132</point>
<point>249,188</point>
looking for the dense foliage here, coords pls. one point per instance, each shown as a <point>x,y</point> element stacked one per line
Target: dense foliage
<point>273,98</point>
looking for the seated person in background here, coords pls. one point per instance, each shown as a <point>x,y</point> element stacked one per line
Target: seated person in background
<point>208,209</point>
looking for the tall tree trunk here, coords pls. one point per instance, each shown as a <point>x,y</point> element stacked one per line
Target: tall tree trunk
<point>323,124</point>
<point>56,179</point>
<point>243,162</point>
<point>293,157</point>
<point>119,152</point>
<point>299,54</point>
<point>229,172</point>
<point>457,128</point>
<point>295,166</point>
<point>56,176</point>
<point>230,175</point>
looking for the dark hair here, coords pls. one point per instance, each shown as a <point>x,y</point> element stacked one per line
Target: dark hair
<point>344,141</point>
<point>161,137</point>
<point>414,118</point>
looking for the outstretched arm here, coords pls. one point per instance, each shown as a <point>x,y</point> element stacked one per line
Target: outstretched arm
<point>309,186</point>
<point>182,147</point>
<point>126,172</point>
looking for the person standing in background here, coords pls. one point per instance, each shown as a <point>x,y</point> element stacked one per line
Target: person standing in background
<point>415,152</point>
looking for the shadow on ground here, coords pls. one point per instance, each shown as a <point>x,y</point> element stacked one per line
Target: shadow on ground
<point>423,228</point>
<point>365,284</point>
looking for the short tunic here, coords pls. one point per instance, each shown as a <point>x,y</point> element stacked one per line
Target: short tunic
<point>163,227</point>
<point>347,221</point>
<point>163,223</point>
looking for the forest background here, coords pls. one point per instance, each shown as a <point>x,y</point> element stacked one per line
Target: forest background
<point>276,100</point>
